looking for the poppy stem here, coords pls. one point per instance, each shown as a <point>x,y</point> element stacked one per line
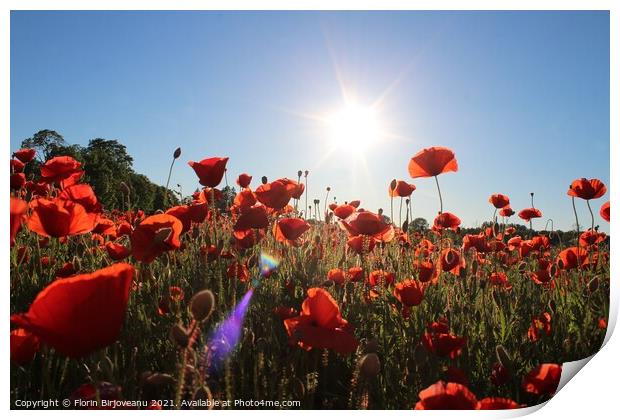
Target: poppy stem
<point>167,183</point>
<point>591,214</point>
<point>440,199</point>
<point>576,220</point>
<point>400,213</point>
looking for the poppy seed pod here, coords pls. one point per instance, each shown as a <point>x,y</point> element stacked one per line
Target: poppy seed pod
<point>179,335</point>
<point>299,173</point>
<point>202,305</point>
<point>263,180</point>
<point>177,153</point>
<point>306,172</point>
<point>369,365</point>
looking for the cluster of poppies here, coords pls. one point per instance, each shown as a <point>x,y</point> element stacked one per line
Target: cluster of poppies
<point>79,313</point>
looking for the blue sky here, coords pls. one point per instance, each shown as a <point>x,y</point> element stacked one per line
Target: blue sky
<point>521,97</point>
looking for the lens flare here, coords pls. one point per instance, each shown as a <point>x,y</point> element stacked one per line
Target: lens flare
<point>227,335</point>
<point>268,264</point>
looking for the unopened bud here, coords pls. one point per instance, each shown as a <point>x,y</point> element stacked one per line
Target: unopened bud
<point>369,365</point>
<point>177,153</point>
<point>202,305</point>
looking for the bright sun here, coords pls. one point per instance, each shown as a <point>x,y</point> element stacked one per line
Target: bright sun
<point>354,128</point>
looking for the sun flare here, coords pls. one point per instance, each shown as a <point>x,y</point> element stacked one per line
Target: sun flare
<point>354,128</point>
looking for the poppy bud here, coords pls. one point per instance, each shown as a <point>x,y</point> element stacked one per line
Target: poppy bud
<point>264,179</point>
<point>177,153</point>
<point>380,212</point>
<point>202,304</point>
<point>393,185</point>
<point>306,172</point>
<point>329,189</point>
<point>369,365</point>
<point>299,173</point>
<point>179,335</point>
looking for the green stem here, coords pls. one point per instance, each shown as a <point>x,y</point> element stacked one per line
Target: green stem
<point>168,182</point>
<point>591,214</point>
<point>440,199</point>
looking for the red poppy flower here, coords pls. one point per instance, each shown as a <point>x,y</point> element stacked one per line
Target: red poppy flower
<point>438,340</point>
<point>355,274</point>
<point>84,195</point>
<point>238,271</point>
<point>362,244</point>
<point>320,325</point>
<point>604,212</point>
<point>426,270</point>
<point>506,212</point>
<point>58,218</point>
<point>409,292</point>
<point>432,162</point>
<point>252,218</point>
<point>244,199</point>
<point>499,200</point>
<point>247,238</point>
<point>25,155</point>
<point>276,194</point>
<point>591,237</point>
<point>18,211</point>
<point>446,221</point>
<point>380,278</point>
<point>365,223</point>
<point>80,314</point>
<point>210,171</point>
<point>16,166</point>
<point>298,190</point>
<point>543,379</point>
<point>354,203</point>
<point>183,214</point>
<point>571,258</point>
<point>446,396</point>
<point>540,324</point>
<point>497,403</point>
<point>543,274</point>
<point>499,279</point>
<point>343,211</point>
<point>531,213</point>
<point>65,271</point>
<point>117,251</point>
<point>208,195</point>
<point>244,180</point>
<point>403,189</point>
<point>587,189</point>
<point>336,275</point>
<point>478,242</point>
<point>154,236</point>
<point>37,188</point>
<point>17,180</point>
<point>450,261</point>
<point>24,346</point>
<point>61,168</point>
<point>289,230</point>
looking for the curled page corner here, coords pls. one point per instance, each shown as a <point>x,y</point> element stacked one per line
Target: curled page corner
<point>570,369</point>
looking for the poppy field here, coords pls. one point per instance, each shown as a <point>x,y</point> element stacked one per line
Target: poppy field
<point>269,296</point>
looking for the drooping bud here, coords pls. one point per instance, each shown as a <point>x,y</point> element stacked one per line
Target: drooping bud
<point>369,365</point>
<point>202,304</point>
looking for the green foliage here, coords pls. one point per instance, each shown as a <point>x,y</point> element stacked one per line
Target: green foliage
<point>107,166</point>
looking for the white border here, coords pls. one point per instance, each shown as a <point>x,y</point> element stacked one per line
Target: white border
<point>593,394</point>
